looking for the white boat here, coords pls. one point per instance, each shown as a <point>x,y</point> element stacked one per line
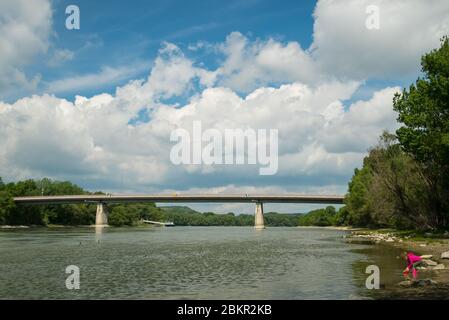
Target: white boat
<point>165,224</point>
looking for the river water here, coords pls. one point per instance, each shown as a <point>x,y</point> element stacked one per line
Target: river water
<point>190,263</point>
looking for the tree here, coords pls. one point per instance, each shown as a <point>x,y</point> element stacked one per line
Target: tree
<point>397,194</point>
<point>6,206</point>
<point>389,190</point>
<point>319,217</point>
<point>122,215</point>
<point>23,188</point>
<point>342,217</point>
<point>423,110</point>
<point>357,199</point>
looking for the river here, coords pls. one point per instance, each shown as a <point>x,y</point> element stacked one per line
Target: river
<point>190,263</point>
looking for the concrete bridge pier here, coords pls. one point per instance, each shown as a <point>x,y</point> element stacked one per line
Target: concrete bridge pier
<point>101,219</point>
<point>258,216</point>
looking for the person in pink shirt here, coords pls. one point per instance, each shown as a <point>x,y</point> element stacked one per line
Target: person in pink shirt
<point>413,261</point>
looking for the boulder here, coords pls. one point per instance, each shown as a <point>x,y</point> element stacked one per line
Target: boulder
<point>439,267</point>
<point>429,262</point>
<point>421,268</point>
<point>423,282</point>
<point>445,255</point>
<point>406,283</point>
<point>417,283</point>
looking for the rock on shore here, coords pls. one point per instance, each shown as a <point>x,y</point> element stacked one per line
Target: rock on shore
<point>439,267</point>
<point>417,283</point>
<point>377,237</point>
<point>429,263</point>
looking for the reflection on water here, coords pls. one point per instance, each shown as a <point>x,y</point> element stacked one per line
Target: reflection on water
<point>99,233</point>
<point>189,262</point>
<point>387,258</point>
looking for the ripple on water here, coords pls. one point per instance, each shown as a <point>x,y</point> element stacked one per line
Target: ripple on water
<point>179,263</point>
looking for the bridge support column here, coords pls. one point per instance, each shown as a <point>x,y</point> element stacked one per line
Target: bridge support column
<point>258,216</point>
<point>101,219</point>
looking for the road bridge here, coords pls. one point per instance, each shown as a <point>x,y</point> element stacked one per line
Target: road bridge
<point>103,199</point>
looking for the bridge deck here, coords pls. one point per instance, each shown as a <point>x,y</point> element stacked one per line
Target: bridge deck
<point>290,198</point>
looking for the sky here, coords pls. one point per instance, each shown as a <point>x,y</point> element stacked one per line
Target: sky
<point>97,105</point>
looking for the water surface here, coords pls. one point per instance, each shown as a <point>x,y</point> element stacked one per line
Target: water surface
<point>189,263</point>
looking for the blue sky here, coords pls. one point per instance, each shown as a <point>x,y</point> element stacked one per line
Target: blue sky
<point>129,35</point>
<point>114,33</point>
<point>97,105</point>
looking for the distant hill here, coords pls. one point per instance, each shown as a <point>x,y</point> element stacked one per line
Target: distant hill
<point>178,209</point>
<point>183,215</point>
<point>186,209</point>
<point>297,214</point>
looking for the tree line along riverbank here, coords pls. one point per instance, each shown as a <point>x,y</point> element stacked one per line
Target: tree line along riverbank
<point>126,214</point>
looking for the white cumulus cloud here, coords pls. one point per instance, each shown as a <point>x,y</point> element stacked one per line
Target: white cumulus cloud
<point>121,141</point>
<point>344,46</point>
<point>24,33</point>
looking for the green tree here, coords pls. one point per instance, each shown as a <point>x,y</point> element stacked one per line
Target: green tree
<point>319,217</point>
<point>357,199</point>
<point>122,215</point>
<point>389,190</point>
<point>397,191</point>
<point>342,217</point>
<point>423,111</point>
<point>7,206</point>
<point>23,188</point>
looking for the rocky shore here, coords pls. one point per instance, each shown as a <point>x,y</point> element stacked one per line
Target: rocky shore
<point>433,280</point>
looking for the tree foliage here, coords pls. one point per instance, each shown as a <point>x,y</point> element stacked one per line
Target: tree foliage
<point>423,111</point>
<point>185,216</point>
<point>319,217</point>
<point>404,181</point>
<point>390,190</point>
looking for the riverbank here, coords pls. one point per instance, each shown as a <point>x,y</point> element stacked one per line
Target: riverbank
<point>433,279</point>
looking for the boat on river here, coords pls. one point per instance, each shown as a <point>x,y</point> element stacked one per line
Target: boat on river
<point>159,223</point>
